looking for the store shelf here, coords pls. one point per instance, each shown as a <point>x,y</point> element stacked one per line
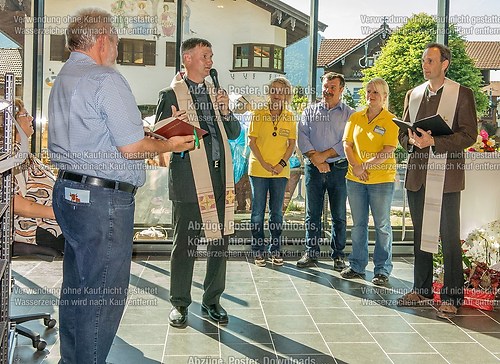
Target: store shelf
<point>7,334</point>
<point>4,325</point>
<point>3,264</point>
<point>3,208</point>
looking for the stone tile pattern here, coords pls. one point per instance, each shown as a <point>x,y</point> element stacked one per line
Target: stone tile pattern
<point>277,315</point>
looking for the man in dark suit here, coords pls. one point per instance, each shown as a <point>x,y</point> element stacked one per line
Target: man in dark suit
<point>201,184</point>
<point>435,177</point>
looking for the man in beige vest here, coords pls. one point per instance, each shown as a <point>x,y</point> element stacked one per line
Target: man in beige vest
<point>200,183</point>
<point>435,177</point>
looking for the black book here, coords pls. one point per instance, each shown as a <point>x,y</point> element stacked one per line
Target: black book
<point>434,123</point>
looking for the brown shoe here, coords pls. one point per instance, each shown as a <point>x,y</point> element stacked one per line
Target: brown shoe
<point>414,299</point>
<point>276,259</point>
<point>259,261</point>
<point>446,310</point>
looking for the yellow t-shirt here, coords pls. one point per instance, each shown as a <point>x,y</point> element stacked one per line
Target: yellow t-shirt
<point>272,148</point>
<point>369,138</point>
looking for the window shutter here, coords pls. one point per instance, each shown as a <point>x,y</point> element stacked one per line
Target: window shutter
<point>58,51</point>
<point>149,53</point>
<point>119,59</point>
<point>170,56</point>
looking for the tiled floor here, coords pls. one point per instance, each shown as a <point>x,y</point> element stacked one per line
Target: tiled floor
<point>277,314</point>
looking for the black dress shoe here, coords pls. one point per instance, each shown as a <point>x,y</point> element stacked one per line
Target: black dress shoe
<point>215,312</point>
<point>178,316</point>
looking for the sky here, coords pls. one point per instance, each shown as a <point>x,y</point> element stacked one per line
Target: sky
<point>477,19</point>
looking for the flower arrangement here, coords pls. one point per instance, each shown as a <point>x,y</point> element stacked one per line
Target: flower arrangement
<point>483,143</point>
<point>483,244</point>
<point>481,258</point>
<point>482,250</point>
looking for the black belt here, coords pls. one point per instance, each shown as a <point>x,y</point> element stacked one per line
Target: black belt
<point>340,161</point>
<point>97,181</point>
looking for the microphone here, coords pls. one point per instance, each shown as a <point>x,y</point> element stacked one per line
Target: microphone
<point>215,79</point>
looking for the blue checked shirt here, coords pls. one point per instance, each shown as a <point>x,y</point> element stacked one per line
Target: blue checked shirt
<point>92,111</point>
<point>321,129</point>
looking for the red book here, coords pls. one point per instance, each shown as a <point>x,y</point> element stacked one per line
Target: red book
<point>167,128</point>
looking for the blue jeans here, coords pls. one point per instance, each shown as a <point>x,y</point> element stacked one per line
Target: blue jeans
<point>317,184</point>
<point>276,188</point>
<point>96,269</point>
<point>377,198</point>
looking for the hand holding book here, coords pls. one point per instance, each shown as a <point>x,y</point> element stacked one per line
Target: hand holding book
<point>435,124</point>
<point>176,125</point>
<point>175,129</point>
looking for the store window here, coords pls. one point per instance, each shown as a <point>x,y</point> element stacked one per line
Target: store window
<point>356,96</point>
<point>241,56</point>
<point>258,57</point>
<point>261,56</point>
<point>136,52</point>
<point>278,58</point>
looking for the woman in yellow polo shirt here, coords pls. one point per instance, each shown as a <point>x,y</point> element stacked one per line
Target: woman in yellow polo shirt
<point>272,135</point>
<point>370,138</point>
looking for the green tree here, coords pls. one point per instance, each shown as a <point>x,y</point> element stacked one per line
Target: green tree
<point>349,99</point>
<point>399,63</point>
<point>299,101</point>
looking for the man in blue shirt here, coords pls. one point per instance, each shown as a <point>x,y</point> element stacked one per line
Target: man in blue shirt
<point>320,139</point>
<point>96,139</point>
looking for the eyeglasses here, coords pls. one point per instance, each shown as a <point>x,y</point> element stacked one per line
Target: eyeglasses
<point>23,115</point>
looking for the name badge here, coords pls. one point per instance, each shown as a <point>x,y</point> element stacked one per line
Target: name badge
<point>379,130</point>
<point>76,196</point>
<point>284,132</point>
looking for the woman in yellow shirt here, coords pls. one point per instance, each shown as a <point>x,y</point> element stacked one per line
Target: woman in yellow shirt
<point>370,138</point>
<point>272,135</point>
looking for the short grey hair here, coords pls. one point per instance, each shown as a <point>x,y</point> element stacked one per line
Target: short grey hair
<point>86,26</point>
<point>283,81</point>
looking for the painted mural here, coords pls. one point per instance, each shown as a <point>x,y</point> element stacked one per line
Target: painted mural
<point>149,17</point>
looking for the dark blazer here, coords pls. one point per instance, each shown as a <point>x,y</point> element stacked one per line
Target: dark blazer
<point>181,185</point>
<point>465,133</point>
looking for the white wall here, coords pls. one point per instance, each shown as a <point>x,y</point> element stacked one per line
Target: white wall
<point>236,22</point>
<point>494,75</point>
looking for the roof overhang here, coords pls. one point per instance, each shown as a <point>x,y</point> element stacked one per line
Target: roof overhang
<point>377,33</point>
<point>493,89</point>
<point>284,16</point>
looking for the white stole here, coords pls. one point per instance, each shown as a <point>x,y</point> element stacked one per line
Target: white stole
<point>199,165</point>
<point>436,164</point>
